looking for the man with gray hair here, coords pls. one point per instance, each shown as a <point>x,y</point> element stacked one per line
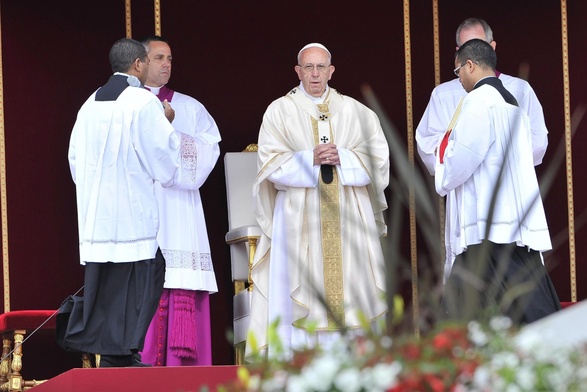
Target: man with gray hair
<point>446,97</point>
<point>122,142</point>
<point>323,166</point>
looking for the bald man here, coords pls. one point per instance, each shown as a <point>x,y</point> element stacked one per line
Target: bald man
<point>323,166</point>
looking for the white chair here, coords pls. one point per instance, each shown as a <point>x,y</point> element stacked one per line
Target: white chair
<point>240,171</point>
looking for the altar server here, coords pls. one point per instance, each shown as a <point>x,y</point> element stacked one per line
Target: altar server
<point>496,223</point>
<point>121,143</point>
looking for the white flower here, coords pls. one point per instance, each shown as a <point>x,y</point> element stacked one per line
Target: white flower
<point>500,323</point>
<point>321,372</point>
<point>482,377</point>
<point>369,346</point>
<point>348,380</point>
<point>386,342</point>
<point>380,377</point>
<point>528,341</point>
<point>505,359</point>
<point>297,383</point>
<point>526,378</point>
<point>385,374</point>
<point>477,335</point>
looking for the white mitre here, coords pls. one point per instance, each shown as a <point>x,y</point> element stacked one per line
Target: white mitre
<point>315,45</point>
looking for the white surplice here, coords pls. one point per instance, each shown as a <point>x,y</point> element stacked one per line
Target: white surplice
<point>117,148</point>
<point>182,236</point>
<point>491,138</point>
<point>288,270</point>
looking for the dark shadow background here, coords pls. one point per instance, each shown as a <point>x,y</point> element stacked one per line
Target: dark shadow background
<point>236,57</point>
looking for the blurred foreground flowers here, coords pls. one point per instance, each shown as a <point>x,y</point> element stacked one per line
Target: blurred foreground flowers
<point>472,357</point>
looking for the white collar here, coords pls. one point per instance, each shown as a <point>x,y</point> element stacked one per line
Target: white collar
<point>131,79</point>
<point>154,90</point>
<point>313,98</point>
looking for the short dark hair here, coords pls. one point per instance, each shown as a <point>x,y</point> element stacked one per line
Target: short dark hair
<point>478,51</point>
<point>124,53</point>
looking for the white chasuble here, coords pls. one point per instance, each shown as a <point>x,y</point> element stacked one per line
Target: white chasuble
<point>320,241</point>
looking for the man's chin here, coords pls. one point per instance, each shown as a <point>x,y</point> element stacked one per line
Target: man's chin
<point>316,91</point>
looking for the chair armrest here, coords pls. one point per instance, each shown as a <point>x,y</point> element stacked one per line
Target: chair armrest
<point>241,251</point>
<point>242,234</point>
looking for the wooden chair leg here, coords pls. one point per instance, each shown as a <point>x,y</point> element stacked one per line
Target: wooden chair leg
<point>15,378</point>
<point>11,364</point>
<point>28,384</point>
<point>239,353</point>
<point>5,363</point>
<point>86,361</point>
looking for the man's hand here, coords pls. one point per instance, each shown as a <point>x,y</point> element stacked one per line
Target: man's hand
<point>326,154</point>
<point>169,112</point>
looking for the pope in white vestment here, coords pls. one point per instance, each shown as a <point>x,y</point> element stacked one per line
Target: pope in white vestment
<point>320,241</point>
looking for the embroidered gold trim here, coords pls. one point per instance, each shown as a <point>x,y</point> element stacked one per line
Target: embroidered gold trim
<point>331,242</point>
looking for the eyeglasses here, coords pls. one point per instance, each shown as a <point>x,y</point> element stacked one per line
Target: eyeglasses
<point>457,69</point>
<point>310,67</point>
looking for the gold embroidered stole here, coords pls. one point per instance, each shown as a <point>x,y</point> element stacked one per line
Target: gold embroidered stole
<point>329,208</point>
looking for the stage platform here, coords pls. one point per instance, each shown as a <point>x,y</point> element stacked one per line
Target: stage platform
<point>160,379</point>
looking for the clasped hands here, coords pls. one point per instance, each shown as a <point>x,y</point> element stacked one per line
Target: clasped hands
<point>326,154</point>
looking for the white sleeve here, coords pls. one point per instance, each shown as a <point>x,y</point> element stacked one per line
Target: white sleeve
<point>430,131</point>
<point>298,171</point>
<point>439,175</point>
<point>528,102</point>
<point>193,120</point>
<point>350,170</point>
<point>533,108</point>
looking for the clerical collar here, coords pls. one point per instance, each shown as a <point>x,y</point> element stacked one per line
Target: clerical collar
<point>163,92</point>
<point>477,83</point>
<point>131,79</point>
<point>313,98</point>
<point>154,90</point>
